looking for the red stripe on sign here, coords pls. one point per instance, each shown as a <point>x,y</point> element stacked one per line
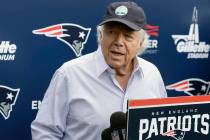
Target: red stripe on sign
<point>148,26</point>
<point>169,100</point>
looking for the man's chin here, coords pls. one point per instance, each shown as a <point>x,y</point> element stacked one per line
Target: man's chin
<point>116,65</point>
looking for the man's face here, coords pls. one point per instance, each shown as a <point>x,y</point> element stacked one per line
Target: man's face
<point>119,44</point>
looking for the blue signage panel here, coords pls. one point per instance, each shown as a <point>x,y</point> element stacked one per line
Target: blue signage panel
<point>34,42</point>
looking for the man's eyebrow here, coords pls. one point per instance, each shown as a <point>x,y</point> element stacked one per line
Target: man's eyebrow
<point>129,31</point>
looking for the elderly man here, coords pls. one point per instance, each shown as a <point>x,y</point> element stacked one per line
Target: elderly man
<point>84,92</point>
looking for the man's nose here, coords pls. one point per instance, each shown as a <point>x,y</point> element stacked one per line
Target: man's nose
<point>119,40</point>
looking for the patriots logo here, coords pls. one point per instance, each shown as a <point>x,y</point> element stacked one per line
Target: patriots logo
<point>192,87</point>
<point>8,97</point>
<point>152,30</point>
<point>176,134</point>
<point>75,36</point>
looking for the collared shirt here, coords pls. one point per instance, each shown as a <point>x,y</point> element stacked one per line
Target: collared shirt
<point>83,94</point>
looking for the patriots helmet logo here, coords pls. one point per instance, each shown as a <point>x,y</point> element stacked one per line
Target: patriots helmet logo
<point>8,97</point>
<point>75,36</point>
<point>176,134</point>
<point>192,87</point>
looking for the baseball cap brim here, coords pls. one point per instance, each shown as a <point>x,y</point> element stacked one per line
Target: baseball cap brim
<point>123,21</point>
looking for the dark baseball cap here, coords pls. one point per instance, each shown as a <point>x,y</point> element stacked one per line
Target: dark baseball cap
<point>128,13</point>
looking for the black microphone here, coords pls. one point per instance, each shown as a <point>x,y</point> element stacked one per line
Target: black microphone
<point>117,129</point>
<point>106,134</point>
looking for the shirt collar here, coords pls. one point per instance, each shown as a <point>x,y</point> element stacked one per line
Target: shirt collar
<point>101,65</point>
<point>138,66</point>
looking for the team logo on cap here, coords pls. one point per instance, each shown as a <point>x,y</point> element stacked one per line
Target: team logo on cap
<point>192,87</point>
<point>75,36</point>
<point>8,97</point>
<point>121,10</point>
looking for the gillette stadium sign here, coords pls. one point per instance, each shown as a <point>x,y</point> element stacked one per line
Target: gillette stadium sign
<point>7,51</point>
<point>177,118</point>
<point>190,43</point>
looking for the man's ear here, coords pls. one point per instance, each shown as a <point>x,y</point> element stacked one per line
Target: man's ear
<point>100,35</point>
<point>141,43</point>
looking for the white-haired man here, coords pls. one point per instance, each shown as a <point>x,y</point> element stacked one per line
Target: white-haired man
<point>84,92</point>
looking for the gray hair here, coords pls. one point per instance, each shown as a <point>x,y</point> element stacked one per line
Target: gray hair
<point>144,37</point>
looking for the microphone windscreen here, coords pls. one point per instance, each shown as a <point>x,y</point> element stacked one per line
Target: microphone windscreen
<point>118,121</point>
<point>106,134</point>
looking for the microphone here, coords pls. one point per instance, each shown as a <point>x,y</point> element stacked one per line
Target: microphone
<point>118,125</point>
<point>117,129</point>
<point>106,134</point>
